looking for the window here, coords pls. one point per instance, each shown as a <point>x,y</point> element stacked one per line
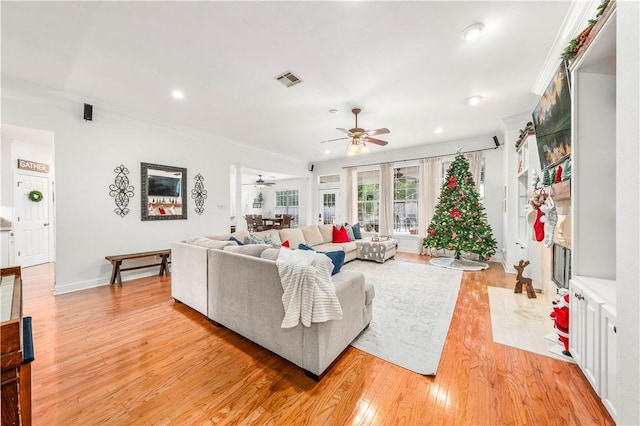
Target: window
<point>287,203</point>
<point>368,200</point>
<point>329,179</point>
<point>405,199</point>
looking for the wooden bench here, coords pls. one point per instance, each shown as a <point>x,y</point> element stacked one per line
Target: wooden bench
<point>116,262</point>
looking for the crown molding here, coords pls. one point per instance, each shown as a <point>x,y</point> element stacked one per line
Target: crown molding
<point>575,21</point>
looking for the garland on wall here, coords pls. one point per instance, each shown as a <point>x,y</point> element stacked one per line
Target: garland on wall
<point>121,190</point>
<point>199,194</point>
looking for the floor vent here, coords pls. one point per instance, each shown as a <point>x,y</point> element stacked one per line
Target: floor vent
<point>288,79</point>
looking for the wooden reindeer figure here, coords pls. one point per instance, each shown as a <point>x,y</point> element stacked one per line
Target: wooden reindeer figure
<point>520,280</point>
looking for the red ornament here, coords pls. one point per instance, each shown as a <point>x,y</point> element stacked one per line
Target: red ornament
<point>431,231</point>
<point>455,213</point>
<point>463,197</point>
<point>452,182</point>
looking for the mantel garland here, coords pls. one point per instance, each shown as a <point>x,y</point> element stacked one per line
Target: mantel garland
<point>199,194</point>
<point>121,190</point>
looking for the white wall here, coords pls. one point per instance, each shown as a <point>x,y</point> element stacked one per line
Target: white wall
<point>86,153</point>
<point>628,211</point>
<point>493,178</point>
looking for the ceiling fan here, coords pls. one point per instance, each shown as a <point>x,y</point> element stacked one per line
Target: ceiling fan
<point>260,183</point>
<point>359,136</point>
<point>400,177</point>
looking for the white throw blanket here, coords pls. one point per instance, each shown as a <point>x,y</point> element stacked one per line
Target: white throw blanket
<point>309,294</point>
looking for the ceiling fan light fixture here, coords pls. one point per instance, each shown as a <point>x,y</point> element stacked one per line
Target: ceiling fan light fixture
<point>472,32</point>
<point>353,148</point>
<point>474,100</point>
<point>364,149</point>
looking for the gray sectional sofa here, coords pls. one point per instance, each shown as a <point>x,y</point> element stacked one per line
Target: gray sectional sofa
<point>239,287</point>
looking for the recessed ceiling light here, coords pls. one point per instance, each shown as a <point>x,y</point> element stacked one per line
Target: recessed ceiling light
<point>474,100</point>
<point>333,110</point>
<point>439,130</point>
<point>327,151</point>
<point>178,94</point>
<point>472,32</point>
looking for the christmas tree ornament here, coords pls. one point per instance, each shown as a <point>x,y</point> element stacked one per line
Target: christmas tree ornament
<point>558,177</point>
<point>459,223</point>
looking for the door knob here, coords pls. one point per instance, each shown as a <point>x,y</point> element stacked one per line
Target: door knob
<point>46,224</point>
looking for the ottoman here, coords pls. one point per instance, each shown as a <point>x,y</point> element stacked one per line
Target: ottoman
<point>378,251</point>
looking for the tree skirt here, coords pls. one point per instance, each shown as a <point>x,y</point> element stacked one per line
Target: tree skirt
<point>461,264</point>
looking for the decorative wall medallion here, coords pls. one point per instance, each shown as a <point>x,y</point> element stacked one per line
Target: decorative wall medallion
<point>199,194</point>
<point>121,190</point>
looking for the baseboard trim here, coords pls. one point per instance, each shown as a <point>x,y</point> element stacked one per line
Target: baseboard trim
<point>98,282</point>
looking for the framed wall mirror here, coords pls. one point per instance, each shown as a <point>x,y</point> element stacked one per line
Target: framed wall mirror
<point>164,190</point>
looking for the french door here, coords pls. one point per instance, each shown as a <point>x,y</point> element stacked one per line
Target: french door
<point>329,202</point>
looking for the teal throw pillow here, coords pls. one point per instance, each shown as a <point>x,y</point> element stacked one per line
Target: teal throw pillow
<point>337,257</point>
<point>232,238</point>
<point>356,231</point>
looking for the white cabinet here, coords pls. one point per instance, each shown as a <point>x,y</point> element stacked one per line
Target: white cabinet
<point>584,328</point>
<point>608,364</point>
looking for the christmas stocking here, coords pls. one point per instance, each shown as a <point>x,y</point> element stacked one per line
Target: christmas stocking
<point>538,226</point>
<point>550,219</point>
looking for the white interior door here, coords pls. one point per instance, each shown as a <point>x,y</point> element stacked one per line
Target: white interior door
<point>329,202</point>
<point>31,226</point>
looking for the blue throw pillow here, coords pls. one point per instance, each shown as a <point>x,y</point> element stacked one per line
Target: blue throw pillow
<point>356,231</point>
<point>337,258</point>
<point>349,229</point>
<point>232,238</point>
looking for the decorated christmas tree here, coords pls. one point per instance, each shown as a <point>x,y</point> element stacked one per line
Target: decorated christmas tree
<point>459,223</point>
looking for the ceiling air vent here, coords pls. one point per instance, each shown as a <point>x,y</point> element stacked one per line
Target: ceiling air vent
<point>288,79</point>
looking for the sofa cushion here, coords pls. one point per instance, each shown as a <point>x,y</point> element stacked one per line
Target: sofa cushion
<point>327,232</point>
<point>270,253</point>
<point>349,232</point>
<point>294,235</point>
<point>312,235</point>
<point>209,243</point>
<point>249,249</point>
<point>347,247</point>
<point>369,293</point>
<point>340,235</point>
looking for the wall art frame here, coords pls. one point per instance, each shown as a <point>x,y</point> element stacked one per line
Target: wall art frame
<point>163,192</point>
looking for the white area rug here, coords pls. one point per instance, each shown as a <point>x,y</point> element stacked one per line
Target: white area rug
<point>412,312</point>
<point>524,323</point>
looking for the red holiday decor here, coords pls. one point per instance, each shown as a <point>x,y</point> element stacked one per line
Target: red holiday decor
<point>558,177</point>
<point>452,182</point>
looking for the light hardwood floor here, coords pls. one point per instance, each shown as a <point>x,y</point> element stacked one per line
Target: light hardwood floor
<point>130,355</point>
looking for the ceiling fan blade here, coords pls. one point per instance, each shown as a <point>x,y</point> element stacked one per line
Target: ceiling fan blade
<point>381,131</point>
<point>375,141</point>
<point>344,130</point>
<point>331,140</point>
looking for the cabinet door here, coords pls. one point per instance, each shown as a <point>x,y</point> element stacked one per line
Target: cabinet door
<point>609,373</point>
<point>577,333</point>
<point>585,330</point>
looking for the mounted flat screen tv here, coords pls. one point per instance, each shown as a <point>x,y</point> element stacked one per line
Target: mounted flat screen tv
<point>552,120</point>
<point>163,186</point>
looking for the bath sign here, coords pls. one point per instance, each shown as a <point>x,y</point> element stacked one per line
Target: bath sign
<point>33,166</point>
